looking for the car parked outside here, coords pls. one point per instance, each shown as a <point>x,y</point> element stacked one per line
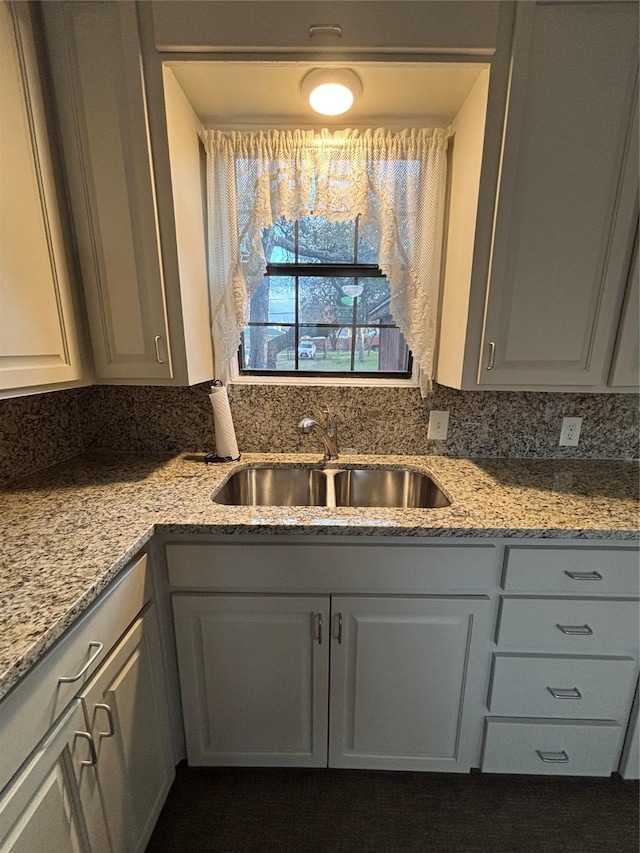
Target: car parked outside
<point>306,349</point>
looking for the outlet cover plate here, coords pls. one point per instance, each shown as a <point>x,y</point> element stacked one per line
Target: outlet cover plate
<point>570,432</point>
<point>438,425</point>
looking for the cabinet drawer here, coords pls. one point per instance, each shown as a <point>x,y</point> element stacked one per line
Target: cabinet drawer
<point>588,688</point>
<point>578,571</point>
<point>573,625</point>
<point>295,567</point>
<point>564,747</point>
<point>28,712</point>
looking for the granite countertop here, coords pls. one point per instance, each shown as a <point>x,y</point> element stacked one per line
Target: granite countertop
<point>67,531</point>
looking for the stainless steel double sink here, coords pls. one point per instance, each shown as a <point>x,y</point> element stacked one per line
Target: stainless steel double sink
<point>331,487</point>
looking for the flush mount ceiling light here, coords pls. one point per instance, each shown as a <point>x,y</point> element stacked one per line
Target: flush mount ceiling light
<point>331,91</point>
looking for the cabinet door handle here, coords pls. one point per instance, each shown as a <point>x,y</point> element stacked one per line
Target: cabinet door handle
<point>339,621</point>
<point>156,341</point>
<point>565,692</point>
<point>93,755</point>
<point>492,355</point>
<point>553,757</point>
<point>107,709</point>
<point>66,679</point>
<point>319,630</point>
<point>583,630</point>
<point>584,576</point>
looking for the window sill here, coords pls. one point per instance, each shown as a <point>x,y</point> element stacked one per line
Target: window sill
<point>326,382</point>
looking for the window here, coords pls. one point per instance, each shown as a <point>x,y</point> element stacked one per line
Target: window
<point>260,184</point>
<point>322,307</point>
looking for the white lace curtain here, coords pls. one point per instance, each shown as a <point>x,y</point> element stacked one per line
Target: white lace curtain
<point>395,182</point>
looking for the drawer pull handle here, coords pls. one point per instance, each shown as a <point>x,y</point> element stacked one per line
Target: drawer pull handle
<point>67,679</point>
<point>107,709</point>
<point>93,755</point>
<point>553,757</point>
<point>565,692</point>
<point>325,30</point>
<point>583,630</point>
<point>584,576</point>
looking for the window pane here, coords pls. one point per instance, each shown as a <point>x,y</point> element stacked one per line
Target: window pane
<point>331,300</point>
<point>279,243</point>
<point>320,300</point>
<point>393,353</point>
<point>321,241</point>
<point>373,302</point>
<point>332,349</point>
<point>368,249</point>
<point>262,347</point>
<point>274,301</point>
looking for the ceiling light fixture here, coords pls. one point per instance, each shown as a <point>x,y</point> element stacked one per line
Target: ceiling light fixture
<point>331,91</point>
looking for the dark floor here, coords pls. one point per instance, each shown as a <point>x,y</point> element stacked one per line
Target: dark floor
<point>242,810</point>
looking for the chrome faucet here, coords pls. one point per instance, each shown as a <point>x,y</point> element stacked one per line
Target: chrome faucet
<point>326,424</point>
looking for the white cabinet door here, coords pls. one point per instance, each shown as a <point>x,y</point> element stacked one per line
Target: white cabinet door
<point>408,677</point>
<point>53,805</point>
<point>567,197</point>
<point>254,678</point>
<point>38,338</point>
<point>95,56</point>
<point>127,714</point>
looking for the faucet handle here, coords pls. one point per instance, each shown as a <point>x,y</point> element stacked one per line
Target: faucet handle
<point>325,414</point>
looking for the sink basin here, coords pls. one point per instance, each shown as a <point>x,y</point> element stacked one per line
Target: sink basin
<point>332,487</point>
<point>275,487</point>
<point>391,487</point>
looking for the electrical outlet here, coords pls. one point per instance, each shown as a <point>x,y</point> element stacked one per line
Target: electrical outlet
<point>438,425</point>
<point>570,432</point>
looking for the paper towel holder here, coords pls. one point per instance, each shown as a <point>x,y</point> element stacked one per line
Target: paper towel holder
<point>212,457</point>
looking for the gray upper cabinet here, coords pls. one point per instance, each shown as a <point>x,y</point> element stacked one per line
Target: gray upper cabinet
<point>39,337</point>
<point>542,308</point>
<point>100,99</point>
<point>144,326</point>
<point>567,197</point>
<point>464,26</point>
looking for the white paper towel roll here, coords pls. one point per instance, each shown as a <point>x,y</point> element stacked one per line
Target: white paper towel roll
<point>226,444</point>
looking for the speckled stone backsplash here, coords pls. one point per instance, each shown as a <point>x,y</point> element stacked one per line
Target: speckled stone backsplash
<point>481,423</point>
<point>39,430</point>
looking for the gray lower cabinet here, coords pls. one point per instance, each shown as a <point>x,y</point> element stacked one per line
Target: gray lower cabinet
<point>403,690</point>
<point>54,805</point>
<point>515,657</point>
<point>407,674</point>
<point>127,715</point>
<point>254,678</point>
<point>97,778</point>
<point>565,668</point>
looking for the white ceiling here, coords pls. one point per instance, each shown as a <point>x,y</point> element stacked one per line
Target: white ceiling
<point>265,94</point>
